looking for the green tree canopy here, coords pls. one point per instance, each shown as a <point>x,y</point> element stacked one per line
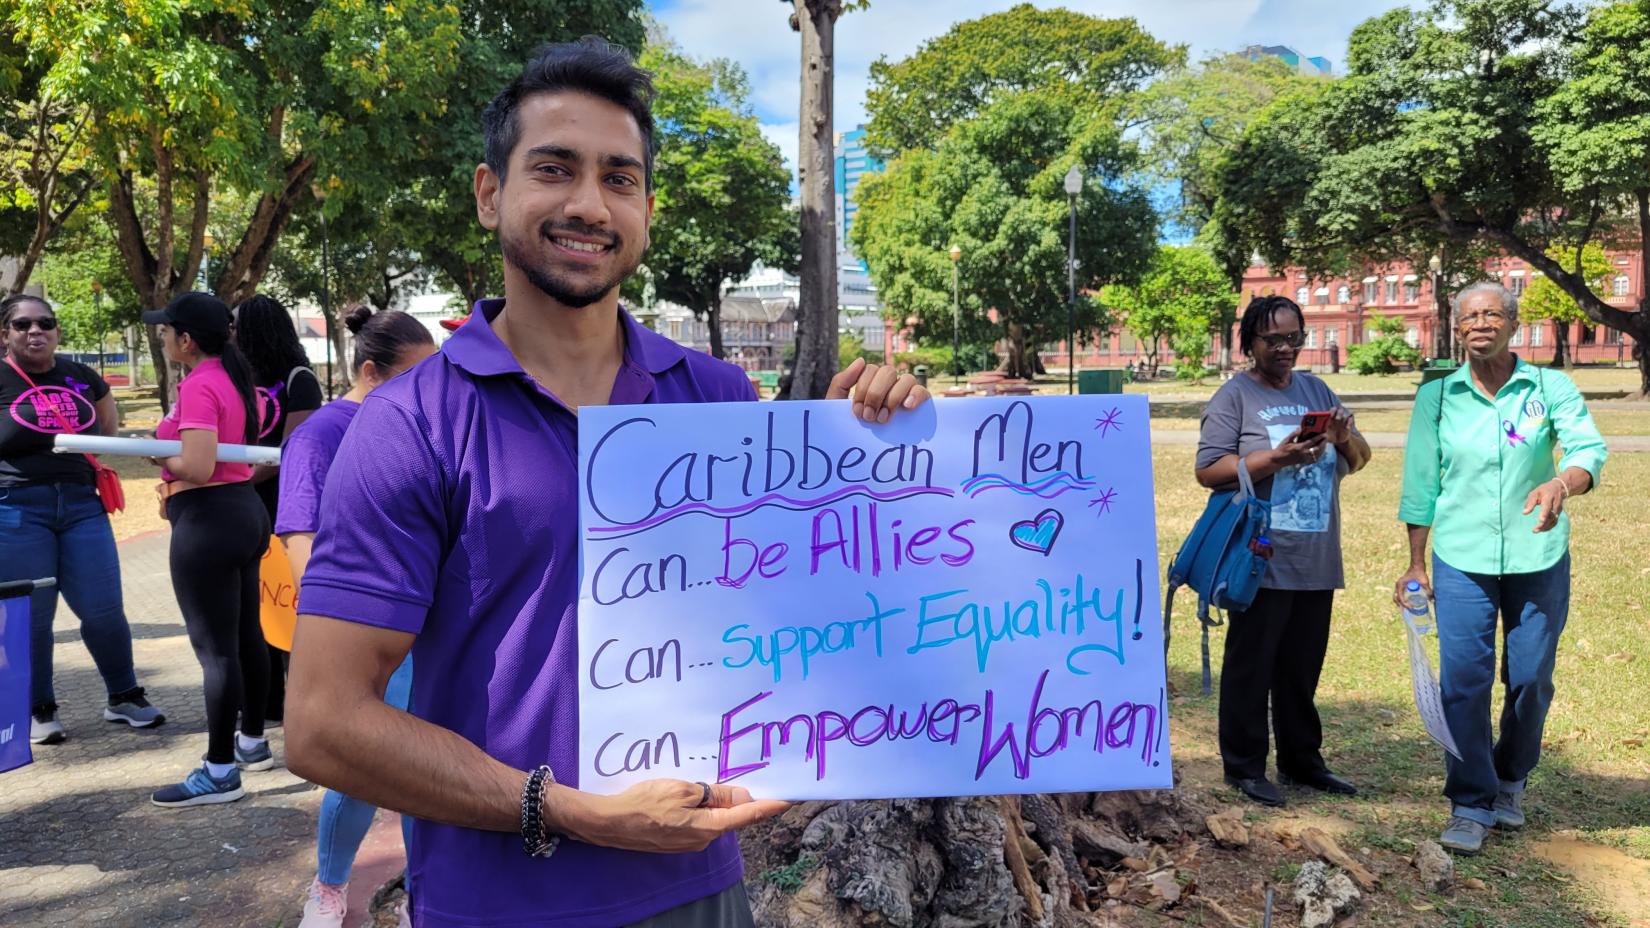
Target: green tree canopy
<point>1182,299</point>
<point>993,187</point>
<point>1543,299</point>
<point>1500,123</point>
<point>1089,59</point>
<point>721,187</point>
<point>1193,116</point>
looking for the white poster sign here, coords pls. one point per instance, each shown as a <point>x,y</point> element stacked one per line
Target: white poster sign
<point>962,601</point>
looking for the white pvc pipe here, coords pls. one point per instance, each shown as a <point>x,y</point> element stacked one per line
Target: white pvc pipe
<point>157,448</point>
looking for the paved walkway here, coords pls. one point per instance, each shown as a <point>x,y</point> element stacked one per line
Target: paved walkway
<point>80,844</point>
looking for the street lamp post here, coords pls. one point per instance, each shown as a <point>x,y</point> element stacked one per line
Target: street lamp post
<point>1074,186</point>
<point>1440,345</point>
<point>956,320</point>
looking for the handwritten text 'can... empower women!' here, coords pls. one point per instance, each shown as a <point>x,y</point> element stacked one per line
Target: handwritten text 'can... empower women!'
<point>963,601</point>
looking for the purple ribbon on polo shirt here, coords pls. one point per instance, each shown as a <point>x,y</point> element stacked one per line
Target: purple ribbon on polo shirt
<point>1513,438</point>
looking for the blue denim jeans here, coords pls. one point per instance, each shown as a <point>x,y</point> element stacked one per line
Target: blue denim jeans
<point>60,530</point>
<point>344,821</point>
<point>1531,609</point>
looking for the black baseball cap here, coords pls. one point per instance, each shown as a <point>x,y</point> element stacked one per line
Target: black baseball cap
<point>197,312</point>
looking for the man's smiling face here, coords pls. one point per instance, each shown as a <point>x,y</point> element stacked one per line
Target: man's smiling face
<point>573,209</point>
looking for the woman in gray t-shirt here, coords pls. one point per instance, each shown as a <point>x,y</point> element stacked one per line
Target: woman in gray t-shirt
<point>1275,648</point>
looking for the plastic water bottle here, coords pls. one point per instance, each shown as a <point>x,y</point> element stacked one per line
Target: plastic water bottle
<point>1415,604</point>
<point>1262,546</point>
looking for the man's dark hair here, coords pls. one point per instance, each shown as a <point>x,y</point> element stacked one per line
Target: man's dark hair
<point>591,65</point>
<point>1261,311</point>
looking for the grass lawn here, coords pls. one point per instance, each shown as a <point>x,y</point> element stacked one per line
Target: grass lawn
<point>1610,421</point>
<point>1588,378</point>
<point>1594,780</point>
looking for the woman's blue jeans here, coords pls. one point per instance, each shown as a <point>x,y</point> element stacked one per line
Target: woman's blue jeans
<point>60,530</point>
<point>1531,609</point>
<point>344,821</point>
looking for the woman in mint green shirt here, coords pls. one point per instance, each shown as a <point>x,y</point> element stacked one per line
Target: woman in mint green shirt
<point>1479,478</point>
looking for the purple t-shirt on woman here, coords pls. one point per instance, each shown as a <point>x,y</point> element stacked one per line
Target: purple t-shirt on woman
<point>304,464</point>
<point>452,513</point>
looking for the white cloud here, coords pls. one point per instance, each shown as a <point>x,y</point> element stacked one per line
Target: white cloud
<point>757,35</point>
<point>787,136</point>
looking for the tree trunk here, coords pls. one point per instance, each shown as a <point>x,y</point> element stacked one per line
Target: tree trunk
<point>1004,861</point>
<point>1019,363</point>
<point>1561,344</point>
<point>816,338</point>
<point>713,321</point>
<point>1641,353</point>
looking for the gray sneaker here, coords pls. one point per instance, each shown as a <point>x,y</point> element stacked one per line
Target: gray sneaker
<point>259,758</point>
<point>1463,836</point>
<point>130,707</point>
<point>1509,810</point>
<point>44,728</point>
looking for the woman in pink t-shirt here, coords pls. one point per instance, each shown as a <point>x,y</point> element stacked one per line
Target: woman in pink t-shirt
<point>220,531</point>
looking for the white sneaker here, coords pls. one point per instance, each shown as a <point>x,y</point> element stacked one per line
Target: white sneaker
<point>326,907</point>
<point>44,728</point>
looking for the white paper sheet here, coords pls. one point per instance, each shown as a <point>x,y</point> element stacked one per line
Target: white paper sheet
<point>1429,699</point>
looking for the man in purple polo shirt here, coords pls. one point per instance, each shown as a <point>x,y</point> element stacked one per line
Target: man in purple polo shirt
<point>451,530</point>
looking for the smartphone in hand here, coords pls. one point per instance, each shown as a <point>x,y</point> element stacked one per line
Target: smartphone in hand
<point>1315,423</point>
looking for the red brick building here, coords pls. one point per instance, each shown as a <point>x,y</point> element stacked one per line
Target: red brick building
<point>1337,311</point>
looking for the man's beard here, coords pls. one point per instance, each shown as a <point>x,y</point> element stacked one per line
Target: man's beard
<point>560,288</point>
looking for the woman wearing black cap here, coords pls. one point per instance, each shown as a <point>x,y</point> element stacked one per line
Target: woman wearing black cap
<point>219,533</point>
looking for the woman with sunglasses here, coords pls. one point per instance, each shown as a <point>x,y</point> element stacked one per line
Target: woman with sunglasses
<point>1275,648</point>
<point>1479,479</point>
<point>52,523</point>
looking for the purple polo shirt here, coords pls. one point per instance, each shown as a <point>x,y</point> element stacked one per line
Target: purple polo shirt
<point>452,513</point>
<point>305,459</point>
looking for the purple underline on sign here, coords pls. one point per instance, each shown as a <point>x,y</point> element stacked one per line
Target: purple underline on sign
<point>984,482</point>
<point>772,499</point>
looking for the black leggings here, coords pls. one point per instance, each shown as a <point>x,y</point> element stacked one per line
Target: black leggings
<point>219,534</point>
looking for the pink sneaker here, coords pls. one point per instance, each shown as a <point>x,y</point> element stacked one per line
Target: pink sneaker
<point>326,906</point>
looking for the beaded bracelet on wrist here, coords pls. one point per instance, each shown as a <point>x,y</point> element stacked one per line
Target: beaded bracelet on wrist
<point>536,840</point>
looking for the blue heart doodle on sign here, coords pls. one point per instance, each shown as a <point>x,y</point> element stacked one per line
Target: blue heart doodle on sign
<point>1037,534</point>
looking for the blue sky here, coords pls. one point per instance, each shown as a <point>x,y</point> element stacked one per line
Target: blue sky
<point>755,34</point>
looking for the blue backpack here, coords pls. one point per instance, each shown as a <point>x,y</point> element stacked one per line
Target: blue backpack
<point>1216,559</point>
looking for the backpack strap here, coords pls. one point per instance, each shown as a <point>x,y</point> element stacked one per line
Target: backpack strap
<point>290,375</point>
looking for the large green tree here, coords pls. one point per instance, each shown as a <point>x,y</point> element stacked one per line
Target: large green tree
<point>722,188</point>
<point>262,101</point>
<point>1193,117</point>
<point>43,178</point>
<point>1182,299</point>
<point>993,187</point>
<point>1091,61</point>
<point>1512,124</point>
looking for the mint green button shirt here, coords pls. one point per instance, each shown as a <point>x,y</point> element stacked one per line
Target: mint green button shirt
<point>1470,463</point>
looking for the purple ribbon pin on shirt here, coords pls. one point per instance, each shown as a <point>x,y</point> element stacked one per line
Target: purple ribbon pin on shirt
<point>1513,438</point>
